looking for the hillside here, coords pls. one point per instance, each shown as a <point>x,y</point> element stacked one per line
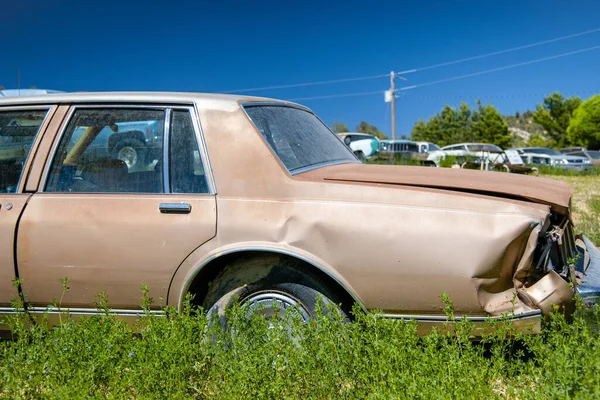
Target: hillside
<point>521,126</point>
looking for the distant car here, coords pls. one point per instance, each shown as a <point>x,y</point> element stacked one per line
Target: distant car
<point>592,155</point>
<point>393,148</point>
<point>427,147</point>
<point>480,152</point>
<point>362,145</point>
<point>135,143</point>
<point>558,159</point>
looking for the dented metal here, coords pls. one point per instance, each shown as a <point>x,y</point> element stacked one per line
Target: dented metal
<point>394,238</point>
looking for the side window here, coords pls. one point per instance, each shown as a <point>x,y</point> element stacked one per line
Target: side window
<point>17,132</point>
<point>186,169</point>
<point>109,150</point>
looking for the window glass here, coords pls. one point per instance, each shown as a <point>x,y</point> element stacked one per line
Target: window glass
<point>186,169</point>
<point>17,132</point>
<point>298,137</point>
<point>110,151</point>
<point>594,154</point>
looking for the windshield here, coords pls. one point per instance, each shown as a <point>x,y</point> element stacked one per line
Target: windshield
<point>433,147</point>
<point>483,147</point>
<point>595,154</point>
<point>298,137</point>
<point>550,152</point>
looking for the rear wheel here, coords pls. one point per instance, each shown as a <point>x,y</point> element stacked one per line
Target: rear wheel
<point>271,286</point>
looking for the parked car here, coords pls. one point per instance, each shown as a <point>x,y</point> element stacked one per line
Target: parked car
<point>363,145</point>
<point>397,148</point>
<point>592,155</point>
<point>136,143</point>
<point>257,200</point>
<point>427,147</point>
<point>558,159</point>
<point>479,152</point>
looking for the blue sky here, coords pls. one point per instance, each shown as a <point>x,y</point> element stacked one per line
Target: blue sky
<point>216,46</point>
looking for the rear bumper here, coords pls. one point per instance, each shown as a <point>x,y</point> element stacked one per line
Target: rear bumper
<point>589,265</point>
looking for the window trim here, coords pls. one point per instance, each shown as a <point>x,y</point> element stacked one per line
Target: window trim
<point>167,109</point>
<point>300,170</point>
<point>27,163</point>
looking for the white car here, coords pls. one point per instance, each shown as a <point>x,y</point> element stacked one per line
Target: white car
<point>481,152</point>
<point>556,158</point>
<point>362,144</point>
<point>427,147</point>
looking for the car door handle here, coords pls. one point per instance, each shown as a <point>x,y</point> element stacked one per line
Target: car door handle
<point>175,208</point>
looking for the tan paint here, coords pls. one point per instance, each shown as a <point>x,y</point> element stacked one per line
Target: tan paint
<point>103,242</point>
<point>394,237</point>
<point>8,221</point>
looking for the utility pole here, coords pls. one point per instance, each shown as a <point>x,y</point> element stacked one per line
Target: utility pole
<point>393,98</point>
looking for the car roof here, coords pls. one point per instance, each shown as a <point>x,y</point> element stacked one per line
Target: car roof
<point>204,100</point>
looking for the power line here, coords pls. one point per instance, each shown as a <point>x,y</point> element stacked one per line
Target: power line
<point>307,84</point>
<point>333,96</point>
<point>488,71</point>
<point>492,96</point>
<point>495,53</point>
<point>334,81</point>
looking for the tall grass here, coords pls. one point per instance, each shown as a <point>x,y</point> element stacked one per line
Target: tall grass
<point>183,356</point>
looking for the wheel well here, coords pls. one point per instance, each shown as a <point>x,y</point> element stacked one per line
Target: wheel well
<point>200,284</point>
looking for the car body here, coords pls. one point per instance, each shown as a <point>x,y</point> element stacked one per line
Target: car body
<point>592,155</point>
<point>257,200</point>
<point>479,152</point>
<point>427,147</point>
<point>363,145</point>
<point>558,159</point>
<point>395,148</point>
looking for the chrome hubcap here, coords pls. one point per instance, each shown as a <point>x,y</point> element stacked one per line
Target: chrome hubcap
<point>275,306</point>
<point>128,155</point>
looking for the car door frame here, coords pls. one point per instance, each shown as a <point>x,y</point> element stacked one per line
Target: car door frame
<point>41,166</point>
<point>18,201</point>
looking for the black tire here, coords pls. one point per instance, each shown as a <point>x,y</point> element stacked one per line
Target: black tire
<point>361,156</point>
<point>131,151</point>
<point>267,278</point>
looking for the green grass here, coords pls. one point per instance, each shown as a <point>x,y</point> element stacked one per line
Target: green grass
<point>181,356</point>
<point>553,171</point>
<point>585,203</point>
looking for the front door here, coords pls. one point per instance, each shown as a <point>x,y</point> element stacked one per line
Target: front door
<point>125,199</point>
<point>18,130</point>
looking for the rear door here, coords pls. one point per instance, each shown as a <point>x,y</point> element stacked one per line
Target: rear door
<point>109,225</point>
<point>20,129</point>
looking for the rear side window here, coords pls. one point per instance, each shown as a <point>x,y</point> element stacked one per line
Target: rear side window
<point>298,137</point>
<point>110,150</point>
<point>187,171</point>
<point>17,133</point>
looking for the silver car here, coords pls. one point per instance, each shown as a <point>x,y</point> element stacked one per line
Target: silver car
<point>558,159</point>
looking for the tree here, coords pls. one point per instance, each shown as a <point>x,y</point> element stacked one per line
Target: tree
<point>490,127</point>
<point>452,126</point>
<point>364,127</point>
<point>584,128</point>
<point>339,127</point>
<point>555,115</point>
<point>537,140</point>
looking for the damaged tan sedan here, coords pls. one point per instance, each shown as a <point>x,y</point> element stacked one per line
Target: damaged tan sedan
<point>257,200</point>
